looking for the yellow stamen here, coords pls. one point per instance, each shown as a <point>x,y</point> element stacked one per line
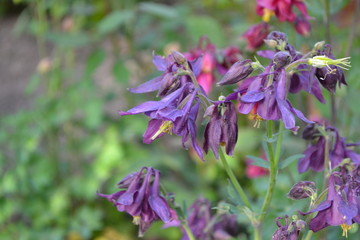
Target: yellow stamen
<point>136,220</point>
<point>257,119</point>
<point>345,229</point>
<point>166,127</point>
<point>267,15</point>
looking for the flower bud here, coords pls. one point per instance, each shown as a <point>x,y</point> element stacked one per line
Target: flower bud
<point>319,45</point>
<point>277,36</point>
<point>300,224</point>
<point>237,72</point>
<point>281,59</point>
<point>271,43</point>
<point>310,132</point>
<point>178,57</point>
<point>302,189</point>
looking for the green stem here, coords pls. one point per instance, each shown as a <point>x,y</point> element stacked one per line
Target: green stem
<point>274,161</point>
<point>188,231</point>
<point>233,179</point>
<point>309,235</point>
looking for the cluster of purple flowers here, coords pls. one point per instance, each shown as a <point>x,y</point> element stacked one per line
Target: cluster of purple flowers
<point>262,92</point>
<point>140,196</point>
<point>337,149</point>
<point>342,206</point>
<point>264,96</point>
<point>206,226</point>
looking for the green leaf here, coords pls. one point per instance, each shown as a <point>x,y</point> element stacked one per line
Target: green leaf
<point>120,72</point>
<point>289,160</point>
<point>94,61</point>
<point>158,9</point>
<point>68,40</point>
<point>113,21</point>
<point>198,26</point>
<point>259,161</point>
<point>33,83</point>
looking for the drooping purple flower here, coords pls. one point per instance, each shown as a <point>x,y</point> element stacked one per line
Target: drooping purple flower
<point>226,227</point>
<point>303,78</point>
<point>207,226</point>
<point>256,34</point>
<point>289,231</point>
<point>342,206</point>
<point>315,152</point>
<point>267,99</point>
<point>222,128</point>
<point>329,76</point>
<point>175,113</point>
<point>140,197</point>
<point>198,219</point>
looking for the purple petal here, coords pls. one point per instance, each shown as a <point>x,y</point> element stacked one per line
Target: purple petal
<point>266,54</point>
<point>149,86</point>
<point>144,107</point>
<point>253,96</point>
<point>152,128</point>
<point>287,117</point>
<point>281,85</point>
<point>159,62</point>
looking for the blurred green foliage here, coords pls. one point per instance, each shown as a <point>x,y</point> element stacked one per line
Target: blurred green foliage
<point>71,144</point>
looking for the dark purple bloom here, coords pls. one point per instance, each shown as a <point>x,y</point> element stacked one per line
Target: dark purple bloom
<point>289,231</point>
<point>331,75</point>
<point>222,128</point>
<point>267,99</point>
<point>338,150</point>
<point>140,197</point>
<point>198,219</point>
<point>342,206</point>
<point>205,226</point>
<point>256,34</point>
<point>302,189</point>
<point>239,71</point>
<point>175,113</point>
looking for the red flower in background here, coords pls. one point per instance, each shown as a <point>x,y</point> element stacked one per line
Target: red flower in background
<point>256,34</point>
<point>212,60</point>
<point>206,50</point>
<point>253,171</point>
<point>283,9</point>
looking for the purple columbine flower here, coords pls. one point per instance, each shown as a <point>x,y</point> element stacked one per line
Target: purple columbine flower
<point>342,206</point>
<point>289,231</point>
<point>265,98</point>
<point>175,113</point>
<point>140,197</point>
<point>222,129</point>
<point>205,226</point>
<point>304,77</point>
<point>302,189</point>
<point>331,75</point>
<point>338,150</point>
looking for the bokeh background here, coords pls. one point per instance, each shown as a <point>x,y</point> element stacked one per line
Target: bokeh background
<point>64,69</point>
